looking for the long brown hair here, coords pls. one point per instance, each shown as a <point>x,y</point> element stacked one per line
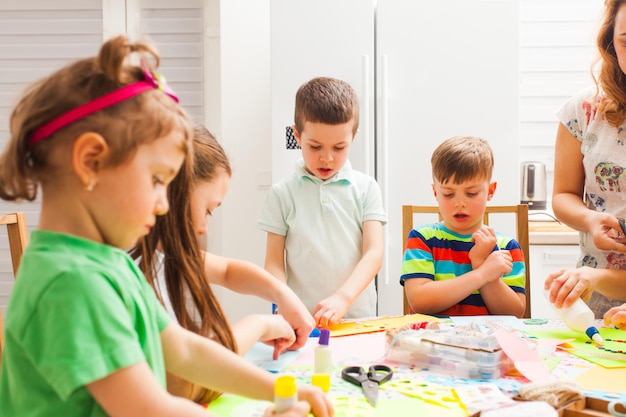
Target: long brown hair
<point>183,258</point>
<point>611,80</point>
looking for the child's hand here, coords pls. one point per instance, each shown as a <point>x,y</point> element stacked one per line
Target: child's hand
<point>484,241</point>
<point>497,264</point>
<point>300,409</point>
<point>320,403</point>
<point>616,316</point>
<point>330,310</point>
<point>277,332</point>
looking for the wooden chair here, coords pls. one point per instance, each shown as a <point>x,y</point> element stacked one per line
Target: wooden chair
<point>521,218</point>
<point>18,239</point>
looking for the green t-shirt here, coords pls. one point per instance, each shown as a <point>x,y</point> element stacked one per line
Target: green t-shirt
<point>78,312</point>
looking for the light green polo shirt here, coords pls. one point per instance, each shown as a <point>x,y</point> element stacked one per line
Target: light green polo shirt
<point>322,222</point>
<point>78,312</point>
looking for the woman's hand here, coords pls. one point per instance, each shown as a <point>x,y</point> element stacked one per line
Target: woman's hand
<point>616,316</point>
<point>606,232</point>
<point>568,285</point>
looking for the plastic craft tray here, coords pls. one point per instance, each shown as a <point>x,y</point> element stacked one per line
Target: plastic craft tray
<point>459,361</point>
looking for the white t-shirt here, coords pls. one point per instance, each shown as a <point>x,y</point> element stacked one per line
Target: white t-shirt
<point>322,222</point>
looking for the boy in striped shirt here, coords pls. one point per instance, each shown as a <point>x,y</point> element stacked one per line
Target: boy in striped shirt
<point>460,267</point>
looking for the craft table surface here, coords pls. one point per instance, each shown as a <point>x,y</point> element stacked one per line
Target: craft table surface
<point>365,349</point>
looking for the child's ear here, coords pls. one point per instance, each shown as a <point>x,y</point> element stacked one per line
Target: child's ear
<point>434,190</point>
<point>492,190</point>
<point>296,134</point>
<point>88,153</point>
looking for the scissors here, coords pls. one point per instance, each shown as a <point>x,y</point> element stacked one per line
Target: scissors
<point>369,382</point>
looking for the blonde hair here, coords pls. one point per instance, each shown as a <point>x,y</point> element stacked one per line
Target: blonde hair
<point>326,100</point>
<point>125,125</point>
<point>462,158</point>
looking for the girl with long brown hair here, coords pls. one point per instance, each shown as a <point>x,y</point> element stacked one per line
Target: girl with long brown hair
<point>181,272</point>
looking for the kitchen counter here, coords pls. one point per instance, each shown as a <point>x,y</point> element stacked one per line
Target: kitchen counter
<point>551,233</point>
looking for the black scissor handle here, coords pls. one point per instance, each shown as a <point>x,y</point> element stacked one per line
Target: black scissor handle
<point>379,373</point>
<point>354,374</point>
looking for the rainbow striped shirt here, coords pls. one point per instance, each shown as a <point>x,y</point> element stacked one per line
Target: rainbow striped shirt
<point>432,251</point>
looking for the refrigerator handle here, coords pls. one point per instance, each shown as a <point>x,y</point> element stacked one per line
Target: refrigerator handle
<point>383,155</point>
<point>365,120</point>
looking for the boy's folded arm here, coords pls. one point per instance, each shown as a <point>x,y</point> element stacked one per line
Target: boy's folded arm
<point>429,297</point>
<point>499,298</point>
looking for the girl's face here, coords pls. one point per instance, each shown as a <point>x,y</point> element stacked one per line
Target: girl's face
<point>127,198</point>
<point>462,205</point>
<point>325,148</point>
<point>205,198</point>
<point>619,37</point>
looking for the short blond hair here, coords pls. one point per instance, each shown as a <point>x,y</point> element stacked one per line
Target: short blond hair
<point>462,158</point>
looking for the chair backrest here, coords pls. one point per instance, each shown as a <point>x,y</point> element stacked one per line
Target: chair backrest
<point>521,218</point>
<point>18,239</point>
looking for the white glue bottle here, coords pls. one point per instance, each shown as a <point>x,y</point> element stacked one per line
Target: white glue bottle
<point>285,393</point>
<point>323,354</point>
<point>578,317</point>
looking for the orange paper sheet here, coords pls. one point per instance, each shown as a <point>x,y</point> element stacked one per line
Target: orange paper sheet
<point>600,378</point>
<point>377,324</point>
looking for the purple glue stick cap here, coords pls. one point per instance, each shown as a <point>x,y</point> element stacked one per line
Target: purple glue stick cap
<point>324,336</point>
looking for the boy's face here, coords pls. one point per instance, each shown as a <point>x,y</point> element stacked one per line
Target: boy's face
<point>462,205</point>
<point>325,148</point>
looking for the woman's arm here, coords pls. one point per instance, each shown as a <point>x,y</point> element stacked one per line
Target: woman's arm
<point>567,285</point>
<point>568,194</point>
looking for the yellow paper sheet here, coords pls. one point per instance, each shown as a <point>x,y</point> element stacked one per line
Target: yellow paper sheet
<point>601,378</point>
<point>377,324</point>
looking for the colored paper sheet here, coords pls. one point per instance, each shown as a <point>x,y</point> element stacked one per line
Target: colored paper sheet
<point>355,350</point>
<point>526,361</point>
<point>377,324</point>
<point>261,355</point>
<point>600,378</point>
<point>510,321</point>
<point>581,346</point>
<point>234,406</point>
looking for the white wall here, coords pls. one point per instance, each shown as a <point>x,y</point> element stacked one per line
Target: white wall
<point>557,47</point>
<point>245,135</point>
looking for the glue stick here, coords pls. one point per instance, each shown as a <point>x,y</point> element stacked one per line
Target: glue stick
<point>578,317</point>
<point>323,354</point>
<point>285,393</point>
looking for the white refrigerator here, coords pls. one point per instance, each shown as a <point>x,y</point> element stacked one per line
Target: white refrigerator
<point>424,71</point>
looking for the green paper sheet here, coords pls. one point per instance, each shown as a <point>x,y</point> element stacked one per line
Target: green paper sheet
<point>584,348</point>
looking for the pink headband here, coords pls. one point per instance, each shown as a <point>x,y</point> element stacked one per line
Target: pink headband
<point>152,81</point>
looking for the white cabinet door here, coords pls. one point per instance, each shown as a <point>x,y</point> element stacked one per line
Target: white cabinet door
<point>545,259</point>
<point>324,38</point>
<point>445,68</point>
